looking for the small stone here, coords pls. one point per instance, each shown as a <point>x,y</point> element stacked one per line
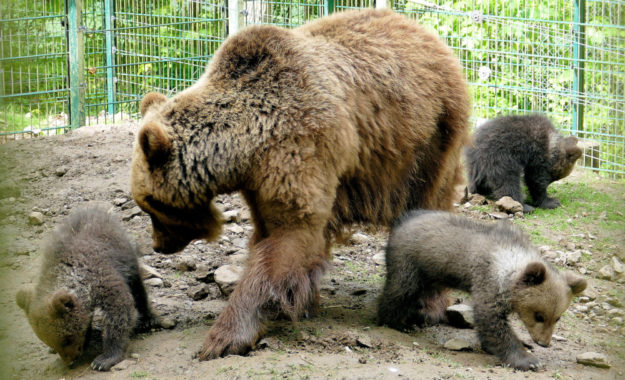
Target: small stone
<point>232,216</point>
<point>123,365</point>
<point>134,355</point>
<point>238,258</point>
<point>167,323</point>
<point>606,273</point>
<point>157,282</point>
<point>498,215</point>
<point>60,171</point>
<point>457,344</point>
<point>379,258</point>
<point>240,243</point>
<point>204,274</point>
<point>617,266</point>
<point>362,360</point>
<point>574,257</point>
<point>198,292</point>
<point>364,341</point>
<point>235,229</point>
<point>147,271</point>
<point>268,342</point>
<point>129,214</point>
<point>120,201</point>
<point>509,205</point>
<point>460,315</point>
<point>186,264</point>
<point>227,277</point>
<point>558,338</point>
<point>594,359</point>
<point>35,218</point>
<point>358,238</point>
<point>570,246</point>
<point>478,199</point>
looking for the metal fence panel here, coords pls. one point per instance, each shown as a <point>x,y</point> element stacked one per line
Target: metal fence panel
<point>565,58</point>
<point>33,68</point>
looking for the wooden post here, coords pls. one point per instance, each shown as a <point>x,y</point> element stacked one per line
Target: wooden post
<point>236,18</point>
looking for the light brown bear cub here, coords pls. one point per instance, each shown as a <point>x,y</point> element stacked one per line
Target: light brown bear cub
<point>356,117</point>
<point>429,252</point>
<point>88,263</point>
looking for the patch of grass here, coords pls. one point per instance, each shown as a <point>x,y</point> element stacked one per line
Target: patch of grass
<point>139,374</point>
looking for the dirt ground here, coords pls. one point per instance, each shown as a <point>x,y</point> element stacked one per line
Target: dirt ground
<point>54,175</point>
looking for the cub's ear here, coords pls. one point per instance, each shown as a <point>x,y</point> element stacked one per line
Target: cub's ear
<point>155,143</point>
<point>573,152</point>
<point>63,302</point>
<point>577,283</point>
<point>534,274</point>
<point>23,298</point>
<point>149,100</point>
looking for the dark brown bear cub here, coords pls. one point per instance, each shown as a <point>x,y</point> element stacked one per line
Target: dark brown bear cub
<point>88,263</point>
<point>430,252</point>
<point>353,118</point>
<point>506,147</point>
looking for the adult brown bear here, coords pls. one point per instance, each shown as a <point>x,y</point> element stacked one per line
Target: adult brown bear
<point>356,117</point>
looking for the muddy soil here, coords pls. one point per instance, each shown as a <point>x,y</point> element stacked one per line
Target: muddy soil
<point>54,175</point>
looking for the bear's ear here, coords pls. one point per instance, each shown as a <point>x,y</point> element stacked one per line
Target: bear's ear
<point>23,298</point>
<point>155,143</point>
<point>578,284</point>
<point>573,152</point>
<point>63,302</point>
<point>534,274</point>
<point>149,100</point>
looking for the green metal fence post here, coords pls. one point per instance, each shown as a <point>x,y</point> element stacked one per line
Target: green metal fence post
<point>328,7</point>
<point>579,55</point>
<point>76,61</point>
<point>109,14</point>
<point>236,18</point>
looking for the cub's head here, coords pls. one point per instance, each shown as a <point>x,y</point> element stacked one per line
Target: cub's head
<point>179,208</point>
<point>58,319</point>
<point>540,297</point>
<point>565,154</point>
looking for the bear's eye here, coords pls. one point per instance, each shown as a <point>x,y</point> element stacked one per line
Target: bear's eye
<point>539,317</point>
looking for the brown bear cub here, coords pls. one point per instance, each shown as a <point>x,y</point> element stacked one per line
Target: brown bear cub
<point>88,264</point>
<point>505,148</point>
<point>355,117</point>
<point>429,252</point>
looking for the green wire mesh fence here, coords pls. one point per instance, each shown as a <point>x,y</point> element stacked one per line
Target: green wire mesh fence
<point>565,58</point>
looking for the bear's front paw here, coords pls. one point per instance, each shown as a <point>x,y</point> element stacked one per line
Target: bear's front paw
<point>104,362</point>
<point>222,343</point>
<point>523,361</point>
<point>550,203</point>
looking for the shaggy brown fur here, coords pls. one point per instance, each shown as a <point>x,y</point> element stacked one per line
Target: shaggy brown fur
<point>506,147</point>
<point>352,118</point>
<point>89,263</point>
<point>430,252</point>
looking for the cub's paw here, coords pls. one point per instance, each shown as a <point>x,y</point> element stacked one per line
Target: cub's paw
<point>524,361</point>
<point>550,203</point>
<point>104,362</point>
<point>527,208</point>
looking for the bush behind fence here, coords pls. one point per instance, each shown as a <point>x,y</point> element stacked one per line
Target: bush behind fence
<point>565,58</point>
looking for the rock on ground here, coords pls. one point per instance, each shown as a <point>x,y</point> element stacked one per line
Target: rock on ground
<point>594,359</point>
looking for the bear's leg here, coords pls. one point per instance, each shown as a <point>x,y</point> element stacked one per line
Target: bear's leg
<point>435,305</point>
<point>509,184</point>
<point>402,301</point>
<point>285,270</point>
<point>537,185</point>
<point>497,337</point>
<point>146,319</point>
<point>119,318</point>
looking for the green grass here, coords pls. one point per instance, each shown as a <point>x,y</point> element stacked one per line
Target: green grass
<point>139,374</point>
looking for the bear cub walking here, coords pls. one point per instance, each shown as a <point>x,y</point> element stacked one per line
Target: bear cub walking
<point>88,264</point>
<point>431,251</point>
<point>506,147</point>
